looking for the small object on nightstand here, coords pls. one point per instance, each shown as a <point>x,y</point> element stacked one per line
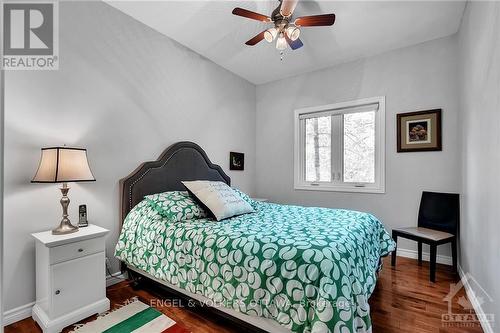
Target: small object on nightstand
<point>82,216</point>
<point>70,277</point>
<point>260,199</point>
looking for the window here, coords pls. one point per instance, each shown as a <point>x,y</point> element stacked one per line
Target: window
<point>340,147</point>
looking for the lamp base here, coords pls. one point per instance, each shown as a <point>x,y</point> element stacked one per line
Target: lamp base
<point>64,228</point>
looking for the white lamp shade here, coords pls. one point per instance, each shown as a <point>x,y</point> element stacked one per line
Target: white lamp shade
<point>281,43</point>
<point>63,165</point>
<point>270,34</point>
<point>293,33</point>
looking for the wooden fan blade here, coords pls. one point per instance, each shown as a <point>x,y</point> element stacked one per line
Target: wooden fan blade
<point>294,44</point>
<point>287,7</point>
<point>315,20</point>
<point>251,15</point>
<point>256,39</point>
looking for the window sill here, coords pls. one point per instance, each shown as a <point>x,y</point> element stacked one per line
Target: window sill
<point>353,189</point>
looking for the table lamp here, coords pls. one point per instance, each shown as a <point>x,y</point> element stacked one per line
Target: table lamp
<point>63,165</point>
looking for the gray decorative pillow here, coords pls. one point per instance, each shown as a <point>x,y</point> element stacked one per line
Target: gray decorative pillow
<point>219,198</point>
<point>243,195</point>
<point>176,206</point>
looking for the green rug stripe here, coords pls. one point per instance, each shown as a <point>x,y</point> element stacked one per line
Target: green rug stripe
<point>134,322</point>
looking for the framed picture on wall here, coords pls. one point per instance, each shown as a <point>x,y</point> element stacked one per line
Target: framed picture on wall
<point>419,131</point>
<point>236,161</point>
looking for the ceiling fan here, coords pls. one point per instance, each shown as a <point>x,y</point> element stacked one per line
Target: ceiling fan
<point>286,30</point>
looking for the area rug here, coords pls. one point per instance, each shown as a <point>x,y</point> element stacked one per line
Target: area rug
<point>134,316</point>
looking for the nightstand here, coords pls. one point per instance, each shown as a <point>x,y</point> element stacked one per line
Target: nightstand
<point>70,277</point>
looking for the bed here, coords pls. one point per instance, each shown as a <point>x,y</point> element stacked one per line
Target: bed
<point>279,269</point>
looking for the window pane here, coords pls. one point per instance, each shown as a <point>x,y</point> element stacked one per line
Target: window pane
<point>318,149</point>
<point>359,147</point>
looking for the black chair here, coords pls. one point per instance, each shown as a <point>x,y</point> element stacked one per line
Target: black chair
<point>438,221</point>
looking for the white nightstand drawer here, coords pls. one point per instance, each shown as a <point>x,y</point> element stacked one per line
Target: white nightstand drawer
<point>77,283</point>
<point>76,250</point>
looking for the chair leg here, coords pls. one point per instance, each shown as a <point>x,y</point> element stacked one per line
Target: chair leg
<point>393,256</point>
<point>454,254</point>
<point>420,253</point>
<point>433,263</point>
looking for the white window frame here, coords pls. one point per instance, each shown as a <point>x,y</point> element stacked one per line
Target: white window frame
<point>339,108</point>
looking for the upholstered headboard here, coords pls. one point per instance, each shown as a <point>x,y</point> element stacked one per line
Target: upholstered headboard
<point>181,161</point>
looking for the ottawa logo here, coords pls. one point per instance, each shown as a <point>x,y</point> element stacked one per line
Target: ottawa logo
<point>465,315</point>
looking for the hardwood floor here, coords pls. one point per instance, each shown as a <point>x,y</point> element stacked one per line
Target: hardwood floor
<point>404,301</point>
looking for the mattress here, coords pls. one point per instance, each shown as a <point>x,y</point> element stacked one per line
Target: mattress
<point>309,269</point>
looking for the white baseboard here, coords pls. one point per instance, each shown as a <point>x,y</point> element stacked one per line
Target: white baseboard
<point>413,254</point>
<point>17,314</point>
<point>471,295</point>
<point>24,311</point>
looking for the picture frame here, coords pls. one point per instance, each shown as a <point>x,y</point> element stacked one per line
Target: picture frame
<point>419,131</point>
<point>236,161</point>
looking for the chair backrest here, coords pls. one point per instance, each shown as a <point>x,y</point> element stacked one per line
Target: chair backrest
<point>439,211</point>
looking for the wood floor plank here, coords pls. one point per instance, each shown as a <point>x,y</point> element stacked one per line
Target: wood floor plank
<point>404,301</point>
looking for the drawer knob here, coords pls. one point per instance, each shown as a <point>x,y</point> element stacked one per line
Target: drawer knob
<point>80,250</point>
<point>58,292</point>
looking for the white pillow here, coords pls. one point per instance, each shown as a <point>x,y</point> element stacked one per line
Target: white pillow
<point>219,198</point>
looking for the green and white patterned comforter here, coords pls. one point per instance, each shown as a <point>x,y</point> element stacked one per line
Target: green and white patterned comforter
<point>310,269</point>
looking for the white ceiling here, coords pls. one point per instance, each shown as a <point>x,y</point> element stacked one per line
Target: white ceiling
<point>361,29</point>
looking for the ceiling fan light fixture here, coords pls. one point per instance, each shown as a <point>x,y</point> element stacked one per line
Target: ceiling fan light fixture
<point>281,43</point>
<point>284,30</point>
<point>270,34</point>
<point>293,33</point>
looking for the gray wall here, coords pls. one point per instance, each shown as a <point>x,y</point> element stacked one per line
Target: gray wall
<point>125,92</point>
<point>414,78</point>
<point>479,39</point>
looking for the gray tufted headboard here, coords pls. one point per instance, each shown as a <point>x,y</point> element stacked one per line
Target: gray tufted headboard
<point>181,161</point>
